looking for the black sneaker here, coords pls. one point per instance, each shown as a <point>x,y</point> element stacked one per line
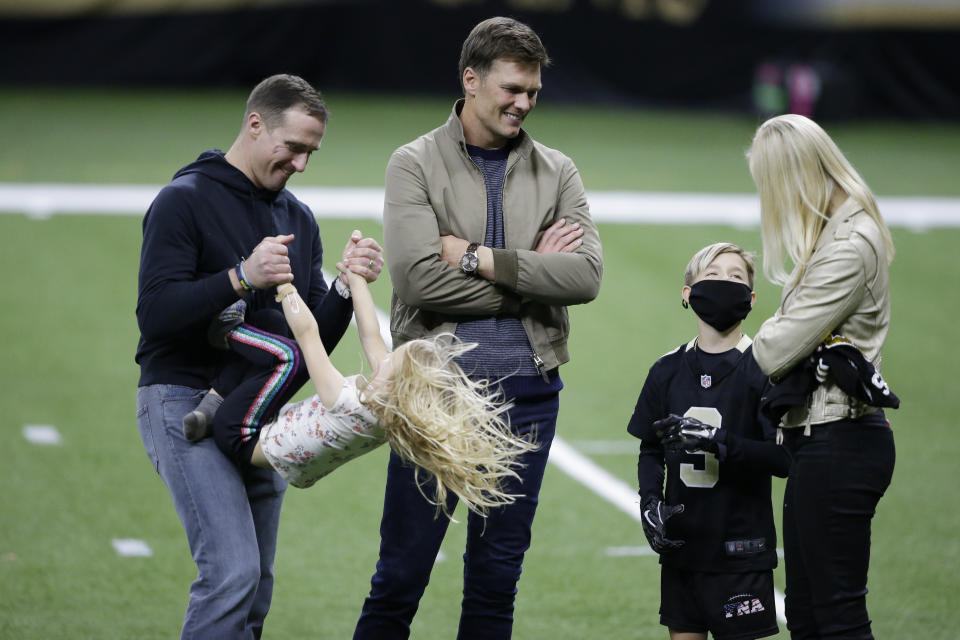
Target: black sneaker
<point>225,322</point>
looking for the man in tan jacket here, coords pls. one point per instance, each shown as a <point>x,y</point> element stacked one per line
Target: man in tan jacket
<point>488,235</point>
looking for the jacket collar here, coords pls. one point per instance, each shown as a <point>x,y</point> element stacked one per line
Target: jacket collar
<point>838,226</point>
<point>522,145</point>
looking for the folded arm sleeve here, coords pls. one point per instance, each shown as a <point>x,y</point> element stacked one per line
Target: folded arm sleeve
<point>557,278</point>
<point>421,278</point>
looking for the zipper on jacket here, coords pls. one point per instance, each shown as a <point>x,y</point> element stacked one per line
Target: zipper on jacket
<point>483,182</point>
<point>538,363</point>
<point>506,172</point>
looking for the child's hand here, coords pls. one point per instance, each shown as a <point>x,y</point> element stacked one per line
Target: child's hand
<point>362,256</point>
<point>681,433</point>
<point>654,519</point>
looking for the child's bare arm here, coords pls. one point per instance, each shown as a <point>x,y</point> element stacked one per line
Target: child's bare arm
<point>368,327</point>
<point>325,377</point>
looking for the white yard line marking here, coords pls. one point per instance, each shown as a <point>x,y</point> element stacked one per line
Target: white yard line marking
<point>44,434</point>
<point>607,447</point>
<point>42,200</point>
<point>611,489</point>
<point>132,548</point>
<point>595,478</point>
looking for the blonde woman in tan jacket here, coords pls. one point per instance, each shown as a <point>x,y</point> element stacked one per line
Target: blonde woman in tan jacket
<point>819,214</point>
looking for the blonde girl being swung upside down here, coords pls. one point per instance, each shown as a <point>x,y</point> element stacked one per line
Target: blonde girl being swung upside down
<point>417,398</point>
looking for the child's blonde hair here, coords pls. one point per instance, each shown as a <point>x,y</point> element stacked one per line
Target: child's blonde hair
<point>703,258</point>
<point>796,167</point>
<point>451,426</point>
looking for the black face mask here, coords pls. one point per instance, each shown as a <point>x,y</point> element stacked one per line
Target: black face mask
<point>720,303</point>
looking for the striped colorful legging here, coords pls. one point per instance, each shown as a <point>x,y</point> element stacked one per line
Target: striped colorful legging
<point>265,370</point>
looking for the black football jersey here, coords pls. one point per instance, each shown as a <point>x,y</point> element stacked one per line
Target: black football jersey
<point>727,522</point>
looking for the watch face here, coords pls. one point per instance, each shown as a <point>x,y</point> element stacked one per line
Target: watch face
<point>468,262</point>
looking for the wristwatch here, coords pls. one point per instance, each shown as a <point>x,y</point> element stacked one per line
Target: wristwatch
<point>469,260</point>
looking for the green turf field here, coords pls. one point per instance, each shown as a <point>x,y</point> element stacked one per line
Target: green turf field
<point>70,334</point>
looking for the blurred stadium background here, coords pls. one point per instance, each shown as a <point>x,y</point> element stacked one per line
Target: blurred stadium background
<point>655,100</point>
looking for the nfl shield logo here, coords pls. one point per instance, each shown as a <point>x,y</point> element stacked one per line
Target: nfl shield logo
<point>705,381</point>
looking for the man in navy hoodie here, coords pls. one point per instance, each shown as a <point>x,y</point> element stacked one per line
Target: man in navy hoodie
<point>223,229</point>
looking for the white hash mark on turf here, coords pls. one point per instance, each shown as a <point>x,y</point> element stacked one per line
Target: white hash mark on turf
<point>131,547</point>
<point>41,434</point>
<point>612,489</point>
<point>619,552</point>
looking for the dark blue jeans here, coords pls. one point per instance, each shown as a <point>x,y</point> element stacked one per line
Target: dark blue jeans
<point>838,476</point>
<point>411,534</point>
<point>230,517</point>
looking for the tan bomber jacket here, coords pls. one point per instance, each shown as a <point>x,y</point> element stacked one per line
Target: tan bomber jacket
<point>433,188</point>
<point>845,289</point>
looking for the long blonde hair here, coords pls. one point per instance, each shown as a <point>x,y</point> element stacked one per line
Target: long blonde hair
<point>796,167</point>
<point>451,426</point>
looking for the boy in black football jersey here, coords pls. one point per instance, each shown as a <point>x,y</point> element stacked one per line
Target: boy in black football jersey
<point>699,415</point>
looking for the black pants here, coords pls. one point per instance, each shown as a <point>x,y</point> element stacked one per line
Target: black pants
<point>265,370</point>
<point>838,476</point>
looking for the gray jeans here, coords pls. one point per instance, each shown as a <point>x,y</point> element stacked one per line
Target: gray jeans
<point>230,517</point>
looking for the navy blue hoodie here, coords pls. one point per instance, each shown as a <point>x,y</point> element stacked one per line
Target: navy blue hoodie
<point>199,226</point>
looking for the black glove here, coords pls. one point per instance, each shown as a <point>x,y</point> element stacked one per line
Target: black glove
<point>687,434</point>
<point>653,517</point>
<point>832,342</point>
<point>668,429</point>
